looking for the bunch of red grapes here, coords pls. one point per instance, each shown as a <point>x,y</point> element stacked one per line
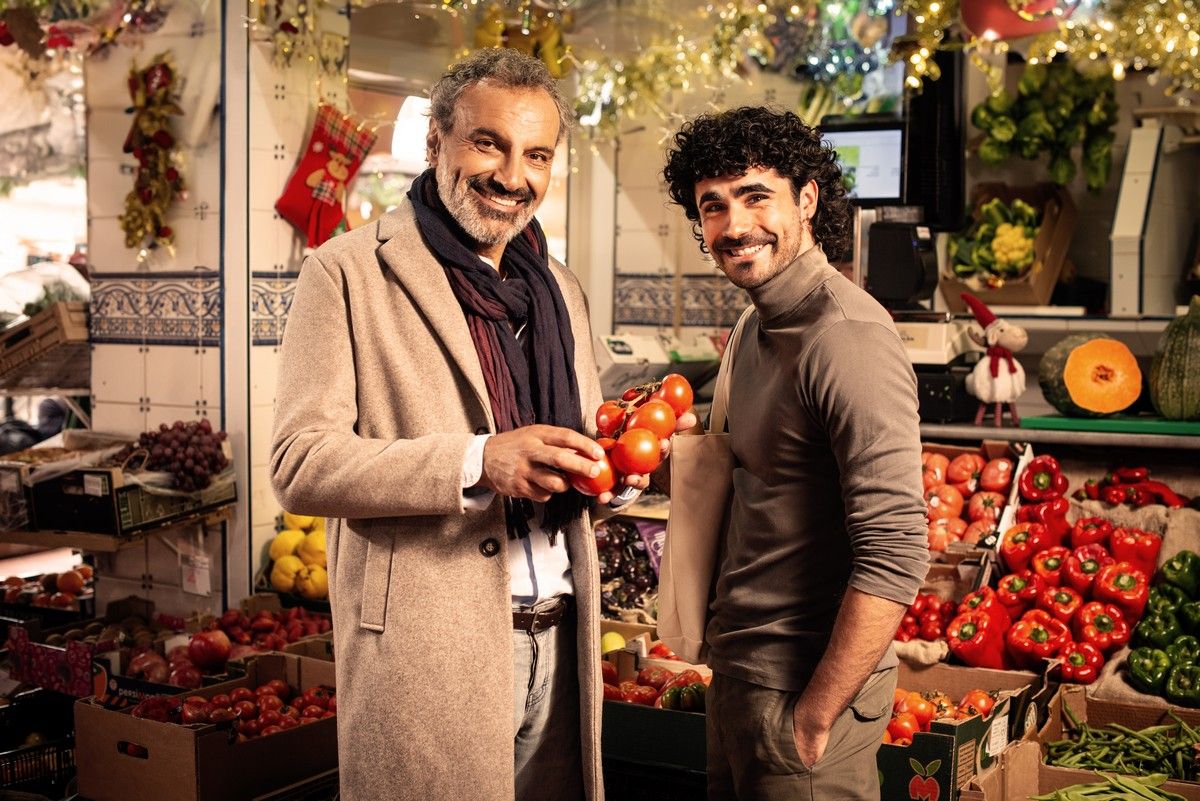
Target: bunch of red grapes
<point>191,452</point>
<point>631,429</point>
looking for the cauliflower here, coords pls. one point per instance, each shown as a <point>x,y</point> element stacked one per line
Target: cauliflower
<point>1012,248</point>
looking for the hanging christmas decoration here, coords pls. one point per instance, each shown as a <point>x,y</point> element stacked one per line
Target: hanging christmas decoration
<point>830,41</point>
<point>43,28</point>
<point>158,180</point>
<point>314,198</point>
<point>294,29</point>
<point>992,20</point>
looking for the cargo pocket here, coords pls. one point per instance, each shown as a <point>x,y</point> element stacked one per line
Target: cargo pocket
<point>377,578</point>
<point>874,700</point>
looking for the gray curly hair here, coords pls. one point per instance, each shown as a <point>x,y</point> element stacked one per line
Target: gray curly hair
<point>502,66</point>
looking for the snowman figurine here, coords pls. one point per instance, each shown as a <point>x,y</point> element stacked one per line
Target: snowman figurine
<point>998,378</point>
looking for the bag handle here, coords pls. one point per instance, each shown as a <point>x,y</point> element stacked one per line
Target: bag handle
<point>716,417</point>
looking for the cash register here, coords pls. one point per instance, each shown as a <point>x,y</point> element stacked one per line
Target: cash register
<point>895,259</point>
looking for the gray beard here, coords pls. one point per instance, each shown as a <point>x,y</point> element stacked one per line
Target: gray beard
<point>485,225</point>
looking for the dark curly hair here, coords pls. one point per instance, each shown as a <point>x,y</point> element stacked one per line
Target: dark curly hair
<point>732,142</point>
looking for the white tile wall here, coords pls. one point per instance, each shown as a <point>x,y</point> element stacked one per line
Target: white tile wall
<point>123,418</point>
<point>264,373</point>
<point>119,374</point>
<point>173,375</point>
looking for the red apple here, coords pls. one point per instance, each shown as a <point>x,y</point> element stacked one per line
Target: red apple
<point>209,649</point>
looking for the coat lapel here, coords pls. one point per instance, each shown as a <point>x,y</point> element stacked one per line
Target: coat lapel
<point>424,279</point>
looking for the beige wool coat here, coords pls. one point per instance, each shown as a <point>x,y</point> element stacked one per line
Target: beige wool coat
<point>380,392</point>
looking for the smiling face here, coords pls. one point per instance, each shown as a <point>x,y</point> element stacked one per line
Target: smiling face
<point>493,165</point>
<point>755,225</point>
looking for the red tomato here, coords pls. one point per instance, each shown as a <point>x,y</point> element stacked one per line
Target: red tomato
<point>898,696</point>
<point>245,710</point>
<point>612,693</point>
<point>266,701</point>
<point>933,469</point>
<point>996,475</point>
<point>638,451</point>
<point>963,472</point>
<point>887,738</point>
<point>976,702</point>
<point>903,726</point>
<point>944,531</point>
<point>654,677</point>
<point>221,700</point>
<point>241,694</point>
<point>281,688</point>
<point>609,673</point>
<point>603,481</point>
<point>275,729</point>
<point>978,530</point>
<point>944,501</point>
<point>609,418</point>
<point>655,415</point>
<point>676,391</point>
<point>985,505</point>
<point>221,714</point>
<point>606,443</point>
<point>921,709</point>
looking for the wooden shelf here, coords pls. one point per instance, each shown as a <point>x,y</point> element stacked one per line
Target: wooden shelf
<point>109,543</point>
<point>965,431</point>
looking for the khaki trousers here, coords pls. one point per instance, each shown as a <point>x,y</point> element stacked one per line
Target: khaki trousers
<point>752,748</point>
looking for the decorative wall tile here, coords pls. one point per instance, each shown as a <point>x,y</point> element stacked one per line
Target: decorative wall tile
<point>271,296</point>
<point>707,301</point>
<point>181,308</point>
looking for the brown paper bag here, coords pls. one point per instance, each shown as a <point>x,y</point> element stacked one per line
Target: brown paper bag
<point>701,487</point>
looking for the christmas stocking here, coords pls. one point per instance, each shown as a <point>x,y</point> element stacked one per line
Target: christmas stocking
<point>315,196</point>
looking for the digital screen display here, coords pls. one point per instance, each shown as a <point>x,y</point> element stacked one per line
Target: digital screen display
<point>872,161</point>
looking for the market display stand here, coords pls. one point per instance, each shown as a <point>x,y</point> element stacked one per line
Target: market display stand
<point>641,763</point>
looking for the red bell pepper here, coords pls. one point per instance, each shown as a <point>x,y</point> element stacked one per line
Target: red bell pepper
<point>1042,480</point>
<point>1138,548</point>
<point>1037,636</point>
<point>1102,625</point>
<point>1082,566</point>
<point>1090,491</point>
<point>1052,514</point>
<point>1090,531</point>
<point>1130,475</point>
<point>1081,663</point>
<point>985,599</point>
<point>1061,602</point>
<point>976,640</point>
<point>1020,543</point>
<point>1163,494</point>
<point>1049,564</point>
<point>1018,592</point>
<point>1125,587</point>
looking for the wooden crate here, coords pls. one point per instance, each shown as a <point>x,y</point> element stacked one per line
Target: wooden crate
<point>48,351</point>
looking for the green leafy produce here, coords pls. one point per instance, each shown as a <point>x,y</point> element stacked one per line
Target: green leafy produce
<point>1157,752</point>
<point>1115,788</point>
<point>53,292</point>
<point>998,246</point>
<point>1058,109</point>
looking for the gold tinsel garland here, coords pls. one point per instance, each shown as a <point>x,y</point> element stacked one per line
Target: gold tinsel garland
<point>158,180</point>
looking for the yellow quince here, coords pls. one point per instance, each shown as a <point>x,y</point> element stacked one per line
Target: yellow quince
<point>312,550</point>
<point>283,574</point>
<point>285,543</point>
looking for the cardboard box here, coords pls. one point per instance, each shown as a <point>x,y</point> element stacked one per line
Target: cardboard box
<point>202,762</point>
<point>115,690</point>
<point>48,351</point>
<point>15,506</point>
<point>318,647</point>
<point>1020,454</point>
<point>100,500</point>
<point>1049,248</point>
<point>67,668</point>
<point>1021,774</point>
<point>951,753</point>
<point>663,738</point>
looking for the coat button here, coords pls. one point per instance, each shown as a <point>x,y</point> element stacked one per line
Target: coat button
<point>489,547</point>
<point>482,430</point>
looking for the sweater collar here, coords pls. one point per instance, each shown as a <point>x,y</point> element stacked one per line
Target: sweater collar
<point>785,292</point>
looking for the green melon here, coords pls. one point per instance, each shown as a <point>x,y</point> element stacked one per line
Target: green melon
<point>1090,375</point>
<point>1175,371</point>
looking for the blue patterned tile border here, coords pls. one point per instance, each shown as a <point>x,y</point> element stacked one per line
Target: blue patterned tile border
<point>271,296</point>
<point>708,301</point>
<point>177,308</point>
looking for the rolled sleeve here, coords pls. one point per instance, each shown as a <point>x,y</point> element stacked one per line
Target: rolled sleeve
<point>866,391</point>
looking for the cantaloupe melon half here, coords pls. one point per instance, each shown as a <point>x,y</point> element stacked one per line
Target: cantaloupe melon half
<point>1102,376</point>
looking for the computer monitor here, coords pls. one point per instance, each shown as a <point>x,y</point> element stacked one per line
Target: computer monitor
<point>871,154</point>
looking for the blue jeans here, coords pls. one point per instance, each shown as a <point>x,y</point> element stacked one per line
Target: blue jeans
<point>547,763</point>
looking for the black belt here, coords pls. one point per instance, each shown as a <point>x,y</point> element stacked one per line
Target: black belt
<point>534,621</point>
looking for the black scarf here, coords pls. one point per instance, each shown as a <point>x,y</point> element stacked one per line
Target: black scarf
<point>528,382</point>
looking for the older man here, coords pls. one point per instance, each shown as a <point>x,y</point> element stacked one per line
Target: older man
<point>827,537</point>
<point>435,380</point>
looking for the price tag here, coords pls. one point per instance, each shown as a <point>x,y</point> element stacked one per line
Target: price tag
<point>94,485</point>
<point>194,574</point>
<point>998,735</point>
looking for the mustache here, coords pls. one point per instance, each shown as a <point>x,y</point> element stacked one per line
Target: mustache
<point>494,187</point>
<point>728,243</point>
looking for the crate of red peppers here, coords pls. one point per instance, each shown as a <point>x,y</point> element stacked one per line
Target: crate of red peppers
<point>1132,486</point>
<point>1072,592</point>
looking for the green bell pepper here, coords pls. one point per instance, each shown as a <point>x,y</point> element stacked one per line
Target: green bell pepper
<point>1184,650</point>
<point>691,697</point>
<point>1003,129</point>
<point>1148,668</point>
<point>1165,598</point>
<point>1000,102</point>
<point>1062,169</point>
<point>1183,685</point>
<point>670,698</point>
<point>1157,630</point>
<point>1189,617</point>
<point>993,152</point>
<point>1182,570</point>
